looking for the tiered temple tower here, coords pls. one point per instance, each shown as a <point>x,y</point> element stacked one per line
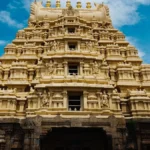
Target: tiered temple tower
<point>71,72</point>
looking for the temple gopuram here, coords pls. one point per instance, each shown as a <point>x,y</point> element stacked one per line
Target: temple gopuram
<point>70,81</point>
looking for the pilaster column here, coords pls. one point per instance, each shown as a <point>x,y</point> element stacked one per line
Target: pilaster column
<point>79,43</point>
<point>29,103</point>
<point>6,72</point>
<point>37,73</point>
<point>99,100</point>
<point>81,68</point>
<point>85,99</point>
<point>8,139</point>
<point>136,105</point>
<point>21,106</point>
<point>31,73</point>
<point>34,103</point>
<point>66,45</point>
<point>145,105</point>
<point>112,73</point>
<point>0,104</point>
<point>27,142</point>
<point>1,74</point>
<point>66,68</point>
<point>13,104</point>
<point>8,104</point>
<point>65,99</point>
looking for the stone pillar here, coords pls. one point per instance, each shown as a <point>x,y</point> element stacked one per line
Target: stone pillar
<point>6,72</point>
<point>79,43</point>
<point>37,73</point>
<point>81,68</point>
<point>66,45</point>
<point>66,68</point>
<point>85,100</point>
<point>21,103</point>
<point>99,100</point>
<point>1,74</point>
<point>0,104</point>
<point>27,140</point>
<point>138,138</point>
<point>31,73</point>
<point>65,99</point>
<point>36,138</point>
<point>8,104</point>
<point>2,140</point>
<point>8,139</point>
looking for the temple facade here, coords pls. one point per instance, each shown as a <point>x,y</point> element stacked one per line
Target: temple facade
<point>70,81</point>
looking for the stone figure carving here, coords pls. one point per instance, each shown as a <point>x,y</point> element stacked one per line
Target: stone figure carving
<point>115,91</point>
<point>70,11</point>
<point>40,61</point>
<point>79,30</point>
<point>95,68</point>
<point>32,90</point>
<point>89,46</point>
<point>104,100</point>
<point>36,34</point>
<point>90,32</point>
<point>46,25</point>
<point>45,99</point>
<point>50,68</point>
<point>55,45</point>
<point>62,30</point>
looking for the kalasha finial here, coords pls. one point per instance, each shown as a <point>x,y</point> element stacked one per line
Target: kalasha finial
<point>88,5</point>
<point>79,5</point>
<point>68,3</point>
<point>48,3</point>
<point>58,5</point>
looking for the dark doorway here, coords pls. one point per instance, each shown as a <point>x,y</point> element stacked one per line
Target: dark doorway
<point>75,139</point>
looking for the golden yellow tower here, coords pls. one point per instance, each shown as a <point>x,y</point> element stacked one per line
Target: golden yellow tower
<point>70,80</point>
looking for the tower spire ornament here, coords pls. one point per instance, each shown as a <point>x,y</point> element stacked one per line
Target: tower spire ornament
<point>58,5</point>
<point>88,5</point>
<point>48,3</point>
<point>68,3</point>
<point>79,5</point>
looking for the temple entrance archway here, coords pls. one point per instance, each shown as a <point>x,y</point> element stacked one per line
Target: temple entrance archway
<point>76,139</point>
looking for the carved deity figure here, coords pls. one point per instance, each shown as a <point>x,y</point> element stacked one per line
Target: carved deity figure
<point>32,90</point>
<point>45,24</point>
<point>95,68</point>
<point>45,99</point>
<point>90,32</point>
<point>55,46</point>
<point>40,61</point>
<point>50,68</point>
<point>37,34</point>
<point>104,100</point>
<point>89,46</point>
<point>62,30</point>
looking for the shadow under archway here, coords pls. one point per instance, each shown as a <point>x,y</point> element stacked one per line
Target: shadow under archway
<point>76,139</point>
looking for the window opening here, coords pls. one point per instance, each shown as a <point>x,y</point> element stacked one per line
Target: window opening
<point>72,46</point>
<point>73,69</point>
<point>74,102</point>
<point>71,30</point>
